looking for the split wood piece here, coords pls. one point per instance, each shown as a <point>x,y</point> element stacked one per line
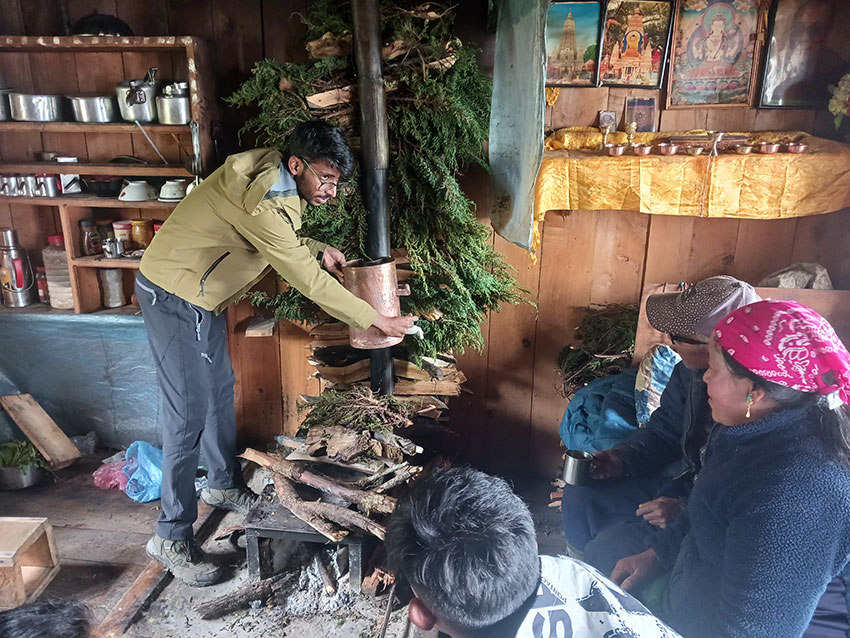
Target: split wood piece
<point>405,445</point>
<point>339,442</point>
<point>328,581</point>
<point>324,517</point>
<point>334,328</point>
<point>153,580</point>
<point>409,370</point>
<point>243,596</point>
<point>52,442</point>
<point>329,45</point>
<point>366,466</point>
<point>366,500</point>
<point>402,476</point>
<point>261,327</point>
<point>357,371</point>
<point>376,478</point>
<point>327,99</point>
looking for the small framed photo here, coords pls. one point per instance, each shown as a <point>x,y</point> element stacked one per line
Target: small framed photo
<point>573,31</point>
<point>713,55</point>
<point>808,49</point>
<point>641,111</point>
<point>635,43</point>
<point>608,119</point>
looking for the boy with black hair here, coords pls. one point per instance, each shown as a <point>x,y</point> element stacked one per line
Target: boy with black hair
<point>223,238</point>
<point>466,545</point>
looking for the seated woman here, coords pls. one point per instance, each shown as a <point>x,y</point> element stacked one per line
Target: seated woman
<point>764,546</point>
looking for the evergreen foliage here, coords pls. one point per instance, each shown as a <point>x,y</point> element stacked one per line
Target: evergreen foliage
<point>438,120</point>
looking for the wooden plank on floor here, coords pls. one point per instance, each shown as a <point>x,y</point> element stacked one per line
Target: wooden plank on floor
<point>52,442</point>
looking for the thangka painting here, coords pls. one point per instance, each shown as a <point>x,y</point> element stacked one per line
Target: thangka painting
<point>715,48</point>
<point>808,50</point>
<point>572,39</point>
<point>634,45</point>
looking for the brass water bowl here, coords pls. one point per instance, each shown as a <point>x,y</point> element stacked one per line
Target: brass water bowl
<point>796,147</point>
<point>694,150</point>
<point>667,149</point>
<point>641,149</point>
<point>768,148</point>
<point>615,150</point>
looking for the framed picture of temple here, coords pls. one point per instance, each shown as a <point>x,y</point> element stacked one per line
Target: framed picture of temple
<point>715,48</point>
<point>808,49</point>
<point>573,31</point>
<point>635,41</point>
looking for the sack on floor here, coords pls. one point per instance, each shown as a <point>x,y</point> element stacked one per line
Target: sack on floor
<point>144,471</point>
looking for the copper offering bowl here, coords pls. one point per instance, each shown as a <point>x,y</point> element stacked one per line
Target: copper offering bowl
<point>768,148</point>
<point>667,149</point>
<point>641,149</point>
<point>615,150</point>
<point>694,150</point>
<point>743,149</point>
<point>796,147</point>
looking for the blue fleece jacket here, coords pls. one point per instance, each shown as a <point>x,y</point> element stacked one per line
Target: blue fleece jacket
<point>767,529</point>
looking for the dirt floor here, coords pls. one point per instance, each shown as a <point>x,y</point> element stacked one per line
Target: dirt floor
<point>101,535</point>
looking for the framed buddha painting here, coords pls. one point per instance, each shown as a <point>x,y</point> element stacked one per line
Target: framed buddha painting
<point>572,41</point>
<point>808,50</point>
<point>715,48</point>
<point>635,42</point>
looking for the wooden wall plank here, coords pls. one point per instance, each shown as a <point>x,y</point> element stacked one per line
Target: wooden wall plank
<point>12,22</point>
<point>669,240</point>
<point>80,8</point>
<point>712,247</point>
<point>190,17</point>
<point>823,239</point>
<point>283,32</point>
<point>752,261</point>
<point>566,278</point>
<point>618,257</point>
<point>295,372</point>
<point>44,17</point>
<point>148,18</point>
<point>577,107</point>
<point>617,102</point>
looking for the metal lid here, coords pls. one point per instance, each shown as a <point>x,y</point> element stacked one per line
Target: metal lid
<point>8,237</point>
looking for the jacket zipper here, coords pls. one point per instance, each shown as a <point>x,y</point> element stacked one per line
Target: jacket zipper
<point>210,269</point>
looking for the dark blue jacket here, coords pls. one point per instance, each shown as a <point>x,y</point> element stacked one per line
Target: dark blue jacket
<point>674,435</point>
<point>767,529</point>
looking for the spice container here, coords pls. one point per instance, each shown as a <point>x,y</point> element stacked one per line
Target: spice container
<point>141,232</point>
<point>41,283</point>
<point>112,283</point>
<point>89,239</point>
<point>56,270</point>
<point>122,229</point>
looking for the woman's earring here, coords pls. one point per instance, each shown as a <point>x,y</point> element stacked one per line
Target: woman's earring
<point>749,404</point>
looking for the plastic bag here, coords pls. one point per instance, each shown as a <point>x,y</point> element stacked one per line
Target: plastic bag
<point>144,471</point>
<point>110,475</point>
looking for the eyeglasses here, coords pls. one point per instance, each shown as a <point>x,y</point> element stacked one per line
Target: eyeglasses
<point>674,339</point>
<point>324,184</point>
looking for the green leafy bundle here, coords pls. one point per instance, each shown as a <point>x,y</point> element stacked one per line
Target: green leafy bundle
<point>438,104</point>
<point>20,454</point>
<point>607,334</point>
<point>357,409</point>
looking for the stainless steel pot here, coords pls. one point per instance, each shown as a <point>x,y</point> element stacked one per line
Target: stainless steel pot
<point>46,185</point>
<point>35,108</point>
<point>173,109</point>
<point>136,101</point>
<point>93,108</point>
<point>5,113</point>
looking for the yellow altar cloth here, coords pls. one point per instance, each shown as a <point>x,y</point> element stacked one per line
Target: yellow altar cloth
<point>575,176</point>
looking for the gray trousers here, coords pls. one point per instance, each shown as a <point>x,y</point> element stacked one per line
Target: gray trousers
<point>193,369</point>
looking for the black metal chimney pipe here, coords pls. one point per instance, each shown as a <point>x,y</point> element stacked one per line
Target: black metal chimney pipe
<point>374,144</point>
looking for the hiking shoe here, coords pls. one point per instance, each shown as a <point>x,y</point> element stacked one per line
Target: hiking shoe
<point>185,560</point>
<point>234,499</point>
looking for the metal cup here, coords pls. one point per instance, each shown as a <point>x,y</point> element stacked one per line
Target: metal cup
<point>23,186</point>
<point>112,248</point>
<point>577,467</point>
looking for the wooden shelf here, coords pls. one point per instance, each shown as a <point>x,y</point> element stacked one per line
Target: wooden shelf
<point>80,43</point>
<point>86,201</point>
<point>102,262</point>
<point>93,127</point>
<point>76,168</point>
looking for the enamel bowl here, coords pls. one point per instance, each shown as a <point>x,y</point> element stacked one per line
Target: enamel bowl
<point>137,191</point>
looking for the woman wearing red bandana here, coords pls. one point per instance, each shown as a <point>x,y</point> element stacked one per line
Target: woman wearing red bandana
<point>764,547</point>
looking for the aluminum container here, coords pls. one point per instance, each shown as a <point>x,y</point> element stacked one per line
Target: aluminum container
<point>136,100</point>
<point>35,108</point>
<point>172,109</point>
<point>9,185</point>
<point>93,108</point>
<point>13,478</point>
<point>5,113</point>
<point>47,185</point>
<point>577,467</point>
<point>376,283</point>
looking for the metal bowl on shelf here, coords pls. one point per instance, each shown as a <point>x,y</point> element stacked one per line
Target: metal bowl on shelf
<point>103,185</point>
<point>743,149</point>
<point>694,150</point>
<point>641,149</point>
<point>35,108</point>
<point>796,147</point>
<point>768,148</point>
<point>615,150</point>
<point>667,149</point>
<point>93,107</point>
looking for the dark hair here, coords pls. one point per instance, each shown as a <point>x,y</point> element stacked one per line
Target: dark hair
<point>51,619</point>
<point>316,141</point>
<point>833,425</point>
<point>466,544</point>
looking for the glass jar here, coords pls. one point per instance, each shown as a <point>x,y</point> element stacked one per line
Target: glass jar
<point>89,239</point>
<point>104,229</point>
<point>41,282</point>
<point>141,232</point>
<point>122,228</point>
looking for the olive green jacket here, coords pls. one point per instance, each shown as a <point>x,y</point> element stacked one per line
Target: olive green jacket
<point>231,229</point>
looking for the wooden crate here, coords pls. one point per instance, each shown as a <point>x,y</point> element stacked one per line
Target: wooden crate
<point>28,559</point>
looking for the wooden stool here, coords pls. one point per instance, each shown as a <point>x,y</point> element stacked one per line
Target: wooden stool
<point>270,519</point>
<point>28,559</point>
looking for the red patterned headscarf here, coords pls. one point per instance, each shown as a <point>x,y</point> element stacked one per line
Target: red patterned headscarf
<point>789,344</point>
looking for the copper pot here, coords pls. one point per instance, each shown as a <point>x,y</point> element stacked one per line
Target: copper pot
<point>375,282</point>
